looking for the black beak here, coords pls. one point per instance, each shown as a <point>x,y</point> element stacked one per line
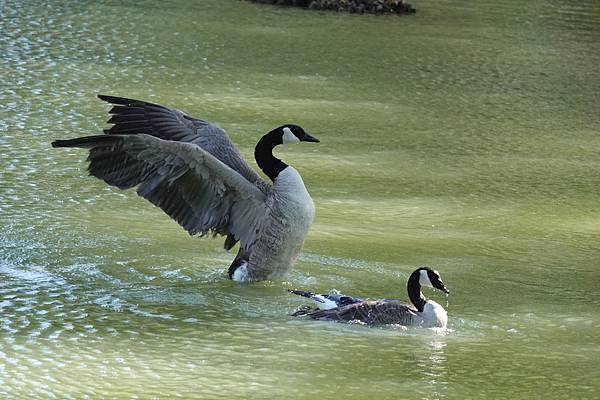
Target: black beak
<point>308,138</point>
<point>445,290</point>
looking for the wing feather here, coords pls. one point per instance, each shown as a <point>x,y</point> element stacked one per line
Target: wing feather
<point>189,184</point>
<point>130,116</point>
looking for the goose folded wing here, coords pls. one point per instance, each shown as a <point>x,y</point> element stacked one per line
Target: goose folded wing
<point>378,312</point>
<point>194,188</point>
<point>132,117</point>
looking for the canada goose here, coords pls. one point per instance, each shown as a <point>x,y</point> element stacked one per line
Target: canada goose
<point>191,170</point>
<point>422,312</point>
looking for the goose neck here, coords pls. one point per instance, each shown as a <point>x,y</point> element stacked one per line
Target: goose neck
<point>263,154</point>
<point>414,291</point>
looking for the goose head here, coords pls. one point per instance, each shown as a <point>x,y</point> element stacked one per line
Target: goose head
<point>431,278</point>
<point>291,133</point>
<point>263,152</point>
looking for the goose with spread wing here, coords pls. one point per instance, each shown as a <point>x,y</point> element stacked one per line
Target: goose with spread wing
<point>190,169</point>
<point>422,312</point>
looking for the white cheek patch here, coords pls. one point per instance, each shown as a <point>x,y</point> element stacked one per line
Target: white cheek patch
<point>424,279</point>
<point>289,137</point>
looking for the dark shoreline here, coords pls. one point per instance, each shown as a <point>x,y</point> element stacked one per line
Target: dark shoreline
<point>352,6</point>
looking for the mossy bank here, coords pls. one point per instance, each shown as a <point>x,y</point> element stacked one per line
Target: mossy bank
<point>353,6</point>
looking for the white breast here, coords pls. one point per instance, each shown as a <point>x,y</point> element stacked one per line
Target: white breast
<point>289,184</point>
<point>290,215</point>
<point>294,206</point>
<point>434,315</point>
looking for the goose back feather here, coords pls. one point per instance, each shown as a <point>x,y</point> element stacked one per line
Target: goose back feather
<point>371,312</point>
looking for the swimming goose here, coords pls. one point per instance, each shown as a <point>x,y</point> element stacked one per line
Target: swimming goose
<point>422,312</point>
<point>190,169</point>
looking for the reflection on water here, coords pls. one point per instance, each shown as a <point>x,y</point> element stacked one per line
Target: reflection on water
<point>434,367</point>
<point>470,147</point>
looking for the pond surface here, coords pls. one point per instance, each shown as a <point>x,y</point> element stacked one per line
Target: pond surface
<point>465,137</point>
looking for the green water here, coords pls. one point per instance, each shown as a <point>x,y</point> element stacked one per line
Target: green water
<point>465,137</point>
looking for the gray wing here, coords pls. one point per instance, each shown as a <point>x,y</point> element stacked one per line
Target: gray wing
<point>131,116</point>
<point>381,312</point>
<point>193,187</point>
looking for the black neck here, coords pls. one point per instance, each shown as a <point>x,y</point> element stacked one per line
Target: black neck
<point>263,154</point>
<point>414,291</point>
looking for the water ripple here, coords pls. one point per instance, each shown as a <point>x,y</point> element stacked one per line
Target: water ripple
<point>435,131</point>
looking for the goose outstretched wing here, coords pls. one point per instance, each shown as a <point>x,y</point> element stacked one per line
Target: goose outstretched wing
<point>375,312</point>
<point>193,187</point>
<point>130,116</point>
